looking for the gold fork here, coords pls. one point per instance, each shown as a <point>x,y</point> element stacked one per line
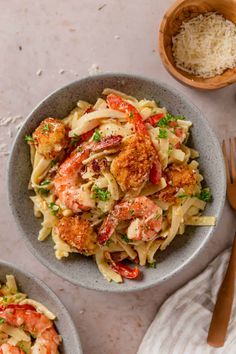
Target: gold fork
<point>223,307</point>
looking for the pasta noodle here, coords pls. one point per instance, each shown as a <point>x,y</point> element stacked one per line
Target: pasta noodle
<point>121,185</point>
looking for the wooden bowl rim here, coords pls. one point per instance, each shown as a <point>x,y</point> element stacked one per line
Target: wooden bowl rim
<point>222,81</point>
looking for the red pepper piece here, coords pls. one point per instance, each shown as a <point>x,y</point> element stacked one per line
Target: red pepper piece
<point>86,136</point>
<point>155,173</point>
<point>126,271</point>
<point>153,120</point>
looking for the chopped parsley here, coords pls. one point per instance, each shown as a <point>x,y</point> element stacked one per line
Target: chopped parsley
<point>54,208</point>
<point>205,195</point>
<point>75,140</point>
<point>108,242</point>
<point>97,136</point>
<point>101,193</point>
<point>152,264</point>
<point>4,299</point>
<point>46,127</point>
<point>45,183</point>
<point>2,320</point>
<point>163,134</point>
<point>28,138</point>
<point>23,348</point>
<point>132,211</point>
<point>164,121</point>
<point>183,195</point>
<point>43,191</point>
<point>170,150</point>
<point>53,163</point>
<point>125,238</point>
<point>131,115</point>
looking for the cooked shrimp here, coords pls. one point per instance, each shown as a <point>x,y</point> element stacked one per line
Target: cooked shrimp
<point>10,349</point>
<point>67,181</point>
<point>50,138</point>
<point>133,165</point>
<point>77,233</point>
<point>37,324</point>
<point>146,219</point>
<point>178,176</point>
<point>49,340</point>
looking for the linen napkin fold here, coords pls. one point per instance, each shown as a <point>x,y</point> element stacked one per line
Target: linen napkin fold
<point>181,325</point>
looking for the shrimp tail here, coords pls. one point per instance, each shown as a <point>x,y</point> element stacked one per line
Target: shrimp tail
<point>107,229</point>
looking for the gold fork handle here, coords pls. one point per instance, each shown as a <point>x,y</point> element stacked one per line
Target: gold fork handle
<point>222,311</point>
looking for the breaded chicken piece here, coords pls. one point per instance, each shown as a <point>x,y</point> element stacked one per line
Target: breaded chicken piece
<point>178,176</point>
<point>132,166</point>
<point>50,138</point>
<point>77,233</point>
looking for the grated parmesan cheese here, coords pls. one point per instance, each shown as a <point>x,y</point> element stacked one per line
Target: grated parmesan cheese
<point>205,45</point>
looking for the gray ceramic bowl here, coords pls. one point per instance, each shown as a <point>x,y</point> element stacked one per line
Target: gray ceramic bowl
<point>81,270</point>
<point>37,290</point>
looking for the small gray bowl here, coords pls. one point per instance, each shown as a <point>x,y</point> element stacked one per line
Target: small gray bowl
<point>81,270</point>
<point>37,290</point>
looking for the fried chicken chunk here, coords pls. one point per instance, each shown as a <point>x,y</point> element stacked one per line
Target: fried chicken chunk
<point>132,166</point>
<point>77,233</point>
<point>50,138</point>
<point>178,176</point>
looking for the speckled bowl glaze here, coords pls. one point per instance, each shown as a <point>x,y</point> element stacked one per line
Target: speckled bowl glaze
<point>81,270</point>
<point>37,290</point>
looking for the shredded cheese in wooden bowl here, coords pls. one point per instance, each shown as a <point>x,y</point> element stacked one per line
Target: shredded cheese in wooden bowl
<point>205,45</point>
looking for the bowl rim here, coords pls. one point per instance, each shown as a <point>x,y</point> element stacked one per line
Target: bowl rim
<point>171,68</point>
<point>118,289</point>
<point>52,294</point>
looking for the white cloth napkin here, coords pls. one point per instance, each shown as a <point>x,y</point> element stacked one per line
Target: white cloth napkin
<point>181,325</point>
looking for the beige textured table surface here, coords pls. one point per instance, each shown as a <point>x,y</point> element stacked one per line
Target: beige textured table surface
<point>46,37</point>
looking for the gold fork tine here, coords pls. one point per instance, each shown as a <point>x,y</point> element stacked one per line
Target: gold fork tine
<point>226,162</point>
<point>232,158</point>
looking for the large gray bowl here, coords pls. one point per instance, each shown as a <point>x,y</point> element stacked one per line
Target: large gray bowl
<point>37,290</point>
<point>81,270</point>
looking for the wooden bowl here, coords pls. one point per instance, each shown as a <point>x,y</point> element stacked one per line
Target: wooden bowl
<point>183,10</point>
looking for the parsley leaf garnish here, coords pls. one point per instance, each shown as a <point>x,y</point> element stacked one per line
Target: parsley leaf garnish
<point>97,136</point>
<point>75,140</point>
<point>23,348</point>
<point>125,238</point>
<point>45,183</point>
<point>43,191</point>
<point>28,138</point>
<point>152,264</point>
<point>101,193</point>
<point>2,320</point>
<point>46,127</point>
<point>108,242</point>
<point>164,121</point>
<point>131,115</point>
<point>54,208</point>
<point>205,195</point>
<point>53,163</point>
<point>183,195</point>
<point>163,134</point>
